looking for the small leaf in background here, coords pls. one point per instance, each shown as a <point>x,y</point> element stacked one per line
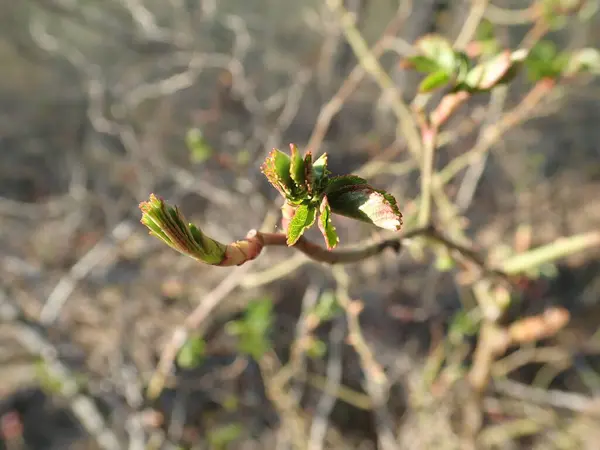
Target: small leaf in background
<point>463,324</point>
<point>259,315</point>
<point>297,168</point>
<point>544,61</point>
<point>277,170</point>
<point>368,205</point>
<point>221,436</point>
<point>316,348</point>
<point>303,218</point>
<point>192,353</point>
<point>242,158</point>
<point>319,172</point>
<point>199,149</point>
<point>434,81</point>
<point>420,64</point>
<point>253,329</point>
<point>327,307</point>
<point>443,261</point>
<point>438,49</point>
<point>325,225</point>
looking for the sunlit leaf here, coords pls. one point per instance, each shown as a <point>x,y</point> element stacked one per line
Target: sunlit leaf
<point>368,205</point>
<point>327,307</point>
<point>325,225</point>
<point>297,167</point>
<point>304,217</point>
<point>277,170</point>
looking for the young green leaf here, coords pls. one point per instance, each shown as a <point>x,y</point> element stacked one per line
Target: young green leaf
<point>434,81</point>
<point>438,49</point>
<point>192,353</point>
<point>319,172</point>
<point>421,64</point>
<point>169,225</point>
<point>297,168</point>
<point>304,217</point>
<point>277,170</point>
<point>368,205</point>
<point>325,225</point>
<point>200,149</point>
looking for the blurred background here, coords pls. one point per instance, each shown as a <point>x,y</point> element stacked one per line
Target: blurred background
<point>103,102</point>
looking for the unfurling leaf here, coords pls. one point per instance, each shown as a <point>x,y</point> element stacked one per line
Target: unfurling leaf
<point>319,172</point>
<point>366,204</point>
<point>277,170</point>
<point>434,81</point>
<point>297,171</point>
<point>168,224</point>
<point>325,225</point>
<point>304,217</point>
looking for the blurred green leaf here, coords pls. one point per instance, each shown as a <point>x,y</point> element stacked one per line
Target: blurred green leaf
<point>439,50</point>
<point>303,218</point>
<point>434,81</point>
<point>544,61</point>
<point>222,436</point>
<point>316,349</point>
<point>192,353</point>
<point>444,262</point>
<point>199,149</point>
<point>463,324</point>
<point>485,31</point>
<point>327,307</point>
<point>243,157</point>
<point>254,328</point>
<point>422,64</point>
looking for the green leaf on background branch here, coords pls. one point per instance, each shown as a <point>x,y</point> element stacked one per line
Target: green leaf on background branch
<point>253,329</point>
<point>199,149</point>
<point>192,353</point>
